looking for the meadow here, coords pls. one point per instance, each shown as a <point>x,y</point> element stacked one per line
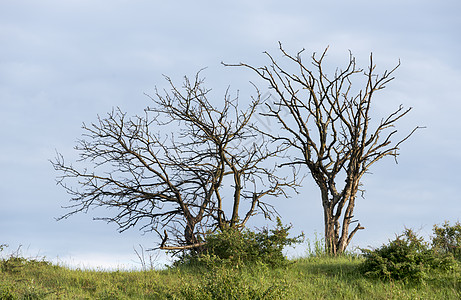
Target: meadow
<point>303,278</point>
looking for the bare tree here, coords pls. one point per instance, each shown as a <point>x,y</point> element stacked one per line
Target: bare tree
<point>173,183</point>
<point>328,126</point>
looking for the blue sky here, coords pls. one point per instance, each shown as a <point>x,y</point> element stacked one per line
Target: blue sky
<point>64,62</point>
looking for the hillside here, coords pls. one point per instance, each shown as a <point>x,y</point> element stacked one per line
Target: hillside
<point>305,278</point>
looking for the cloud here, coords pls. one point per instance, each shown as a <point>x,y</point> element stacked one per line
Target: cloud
<point>64,62</point>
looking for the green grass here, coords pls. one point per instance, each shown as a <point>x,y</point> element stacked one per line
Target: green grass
<point>305,278</point>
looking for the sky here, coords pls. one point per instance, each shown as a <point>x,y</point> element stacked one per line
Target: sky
<point>63,63</point>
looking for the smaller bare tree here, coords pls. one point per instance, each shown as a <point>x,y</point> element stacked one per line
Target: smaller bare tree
<point>173,183</point>
<point>329,128</point>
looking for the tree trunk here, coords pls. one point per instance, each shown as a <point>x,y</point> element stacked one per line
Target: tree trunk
<point>330,233</point>
<point>189,234</point>
<point>237,193</point>
<point>337,236</point>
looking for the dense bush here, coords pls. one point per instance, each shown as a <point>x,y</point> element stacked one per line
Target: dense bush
<point>234,247</point>
<point>406,258</point>
<point>447,239</point>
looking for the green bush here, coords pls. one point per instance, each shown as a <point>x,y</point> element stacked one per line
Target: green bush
<point>406,258</point>
<point>234,247</point>
<point>447,239</point>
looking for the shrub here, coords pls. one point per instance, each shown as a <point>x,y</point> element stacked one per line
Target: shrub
<point>447,239</point>
<point>234,247</point>
<point>406,258</point>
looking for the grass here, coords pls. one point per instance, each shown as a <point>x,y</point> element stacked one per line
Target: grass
<point>303,278</point>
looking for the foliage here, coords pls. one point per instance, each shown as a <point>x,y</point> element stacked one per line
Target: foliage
<point>234,247</point>
<point>447,239</point>
<point>305,278</point>
<point>406,258</point>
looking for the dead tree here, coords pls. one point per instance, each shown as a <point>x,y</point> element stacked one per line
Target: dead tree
<point>328,126</point>
<point>167,170</point>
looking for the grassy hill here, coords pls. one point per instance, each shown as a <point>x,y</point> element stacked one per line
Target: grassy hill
<point>305,278</point>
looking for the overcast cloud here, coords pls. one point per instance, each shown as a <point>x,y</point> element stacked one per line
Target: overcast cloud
<point>64,62</point>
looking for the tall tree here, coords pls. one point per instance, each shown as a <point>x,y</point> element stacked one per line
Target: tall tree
<point>167,170</point>
<point>326,120</point>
